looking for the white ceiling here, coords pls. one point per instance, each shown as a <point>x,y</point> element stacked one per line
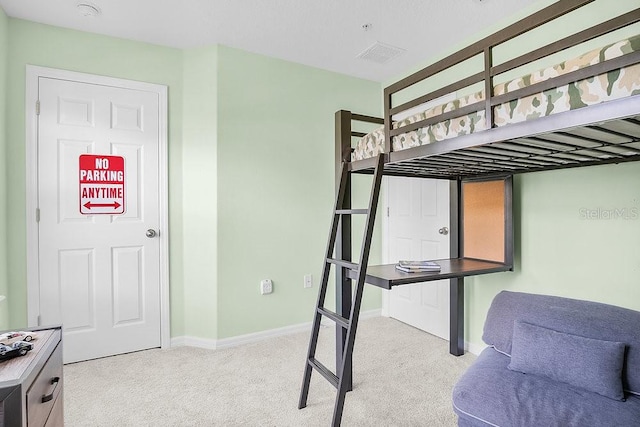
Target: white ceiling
<point>326,34</point>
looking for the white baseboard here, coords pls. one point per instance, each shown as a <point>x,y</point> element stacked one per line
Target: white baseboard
<point>474,348</point>
<point>188,341</point>
<point>256,336</point>
<point>262,335</point>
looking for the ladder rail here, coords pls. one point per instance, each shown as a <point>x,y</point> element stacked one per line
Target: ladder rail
<point>326,268</point>
<point>342,378</point>
<point>365,250</point>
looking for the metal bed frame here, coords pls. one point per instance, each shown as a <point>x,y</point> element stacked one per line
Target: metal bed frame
<point>604,133</point>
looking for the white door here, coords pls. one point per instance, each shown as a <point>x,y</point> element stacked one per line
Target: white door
<point>99,274</point>
<point>417,209</point>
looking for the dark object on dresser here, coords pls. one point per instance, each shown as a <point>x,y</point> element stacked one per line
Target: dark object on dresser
<point>18,348</point>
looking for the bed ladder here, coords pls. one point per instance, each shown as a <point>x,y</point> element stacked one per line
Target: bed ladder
<point>341,380</point>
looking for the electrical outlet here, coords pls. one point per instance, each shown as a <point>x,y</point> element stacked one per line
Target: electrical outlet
<point>308,281</point>
<point>266,286</point>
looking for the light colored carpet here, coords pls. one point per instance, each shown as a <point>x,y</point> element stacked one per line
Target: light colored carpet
<point>402,377</point>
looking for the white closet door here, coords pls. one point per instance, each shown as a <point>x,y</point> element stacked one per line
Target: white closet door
<point>99,274</point>
<point>418,208</point>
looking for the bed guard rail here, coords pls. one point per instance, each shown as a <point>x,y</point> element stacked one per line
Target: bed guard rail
<point>485,47</point>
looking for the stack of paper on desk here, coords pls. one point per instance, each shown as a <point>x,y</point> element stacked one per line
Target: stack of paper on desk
<point>417,266</point>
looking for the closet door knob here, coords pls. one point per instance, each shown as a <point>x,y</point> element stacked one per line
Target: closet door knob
<point>444,231</point>
<point>151,233</point>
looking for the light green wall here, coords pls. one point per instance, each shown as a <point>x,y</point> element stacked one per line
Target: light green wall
<point>199,192</point>
<point>4,46</point>
<point>54,47</point>
<point>561,252</point>
<point>251,185</point>
<point>556,251</point>
<point>246,181</point>
<point>276,186</point>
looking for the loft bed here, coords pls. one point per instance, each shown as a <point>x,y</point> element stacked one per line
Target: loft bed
<point>581,127</point>
<point>580,112</point>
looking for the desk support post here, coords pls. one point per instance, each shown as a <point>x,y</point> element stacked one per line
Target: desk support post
<point>456,285</point>
<point>456,314</point>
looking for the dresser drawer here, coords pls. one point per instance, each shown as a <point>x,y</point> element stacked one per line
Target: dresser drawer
<point>45,390</point>
<point>56,417</point>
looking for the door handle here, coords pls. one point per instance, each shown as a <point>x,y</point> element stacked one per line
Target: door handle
<point>444,231</point>
<point>151,233</point>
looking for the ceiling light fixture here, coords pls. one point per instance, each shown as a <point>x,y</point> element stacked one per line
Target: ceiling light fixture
<point>88,9</point>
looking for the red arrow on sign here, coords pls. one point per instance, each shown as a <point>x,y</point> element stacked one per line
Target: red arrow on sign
<point>114,205</point>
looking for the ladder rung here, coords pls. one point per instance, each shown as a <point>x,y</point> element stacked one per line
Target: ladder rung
<point>352,211</point>
<point>324,371</point>
<point>334,316</point>
<point>345,264</point>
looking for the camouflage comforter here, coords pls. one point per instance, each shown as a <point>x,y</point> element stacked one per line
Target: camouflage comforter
<point>594,90</point>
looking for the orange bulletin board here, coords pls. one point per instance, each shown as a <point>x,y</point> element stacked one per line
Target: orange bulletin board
<point>483,220</point>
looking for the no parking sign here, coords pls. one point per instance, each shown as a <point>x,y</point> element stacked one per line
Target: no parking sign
<point>101,184</point>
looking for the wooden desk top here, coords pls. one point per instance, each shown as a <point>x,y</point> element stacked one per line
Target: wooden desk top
<point>386,276</point>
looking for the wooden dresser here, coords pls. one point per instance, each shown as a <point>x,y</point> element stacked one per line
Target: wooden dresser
<point>31,385</point>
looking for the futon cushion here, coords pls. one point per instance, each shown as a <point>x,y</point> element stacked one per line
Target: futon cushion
<point>488,393</point>
<point>591,364</point>
<point>584,318</point>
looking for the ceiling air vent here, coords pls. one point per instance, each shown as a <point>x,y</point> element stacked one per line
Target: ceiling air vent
<point>380,53</point>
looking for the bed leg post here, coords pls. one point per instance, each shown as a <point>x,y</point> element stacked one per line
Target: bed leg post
<point>343,240</point>
<point>456,285</point>
<point>456,313</point>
